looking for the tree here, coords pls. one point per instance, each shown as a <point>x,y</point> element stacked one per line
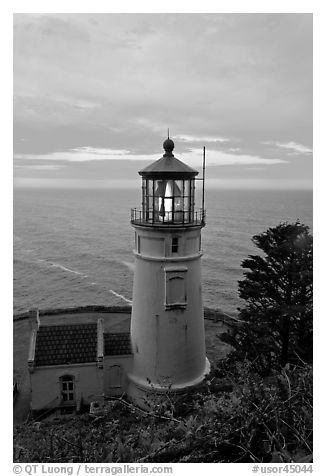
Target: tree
<point>277,289</point>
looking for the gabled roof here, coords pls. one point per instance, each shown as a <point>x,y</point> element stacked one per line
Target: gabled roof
<point>66,344</point>
<point>117,344</point>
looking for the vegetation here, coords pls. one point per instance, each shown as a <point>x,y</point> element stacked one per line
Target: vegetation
<point>259,420</point>
<point>256,405</point>
<point>277,289</point>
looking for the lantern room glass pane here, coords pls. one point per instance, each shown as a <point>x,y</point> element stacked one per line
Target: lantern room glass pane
<point>178,201</point>
<point>187,188</point>
<point>168,200</point>
<point>163,205</point>
<point>187,200</point>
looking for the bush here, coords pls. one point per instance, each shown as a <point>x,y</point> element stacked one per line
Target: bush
<point>256,420</point>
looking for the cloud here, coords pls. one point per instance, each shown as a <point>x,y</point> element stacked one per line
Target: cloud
<point>90,87</point>
<point>192,157</point>
<point>220,158</point>
<point>291,146</point>
<point>43,167</point>
<point>82,154</point>
<point>73,183</point>
<point>189,138</point>
<point>180,77</point>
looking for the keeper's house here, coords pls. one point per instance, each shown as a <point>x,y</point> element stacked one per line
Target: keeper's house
<point>75,364</point>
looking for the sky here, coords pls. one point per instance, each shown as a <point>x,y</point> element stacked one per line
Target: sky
<point>94,95</point>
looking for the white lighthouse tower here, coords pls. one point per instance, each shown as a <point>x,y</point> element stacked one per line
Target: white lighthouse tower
<point>167,322</point>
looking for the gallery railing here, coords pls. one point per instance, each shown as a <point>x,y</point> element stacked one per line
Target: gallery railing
<point>180,217</point>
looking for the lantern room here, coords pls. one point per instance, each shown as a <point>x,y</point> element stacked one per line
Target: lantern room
<point>168,193</point>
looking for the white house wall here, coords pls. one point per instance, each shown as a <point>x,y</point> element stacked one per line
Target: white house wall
<point>112,388</point>
<point>45,384</point>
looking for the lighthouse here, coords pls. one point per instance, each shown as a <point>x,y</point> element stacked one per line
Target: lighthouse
<point>167,322</point>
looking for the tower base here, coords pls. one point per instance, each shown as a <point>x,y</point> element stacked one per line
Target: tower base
<point>150,396</point>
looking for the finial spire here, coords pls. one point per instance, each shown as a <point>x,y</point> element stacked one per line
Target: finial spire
<point>168,146</point>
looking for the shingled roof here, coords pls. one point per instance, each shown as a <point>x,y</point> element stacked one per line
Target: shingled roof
<point>117,344</point>
<point>66,344</point>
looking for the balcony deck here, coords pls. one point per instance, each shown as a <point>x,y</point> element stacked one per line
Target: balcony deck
<point>178,218</point>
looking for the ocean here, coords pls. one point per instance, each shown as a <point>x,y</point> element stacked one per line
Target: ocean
<point>74,247</point>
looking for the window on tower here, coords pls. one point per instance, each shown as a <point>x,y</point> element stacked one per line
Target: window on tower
<point>175,244</point>
<point>175,288</point>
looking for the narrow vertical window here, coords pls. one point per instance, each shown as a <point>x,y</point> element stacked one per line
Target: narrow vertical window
<point>175,245</point>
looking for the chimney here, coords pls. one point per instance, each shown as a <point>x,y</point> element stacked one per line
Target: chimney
<point>34,319</point>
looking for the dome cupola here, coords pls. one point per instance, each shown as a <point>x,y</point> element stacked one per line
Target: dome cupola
<point>168,146</point>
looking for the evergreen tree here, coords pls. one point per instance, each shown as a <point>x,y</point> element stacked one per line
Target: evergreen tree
<point>277,289</point>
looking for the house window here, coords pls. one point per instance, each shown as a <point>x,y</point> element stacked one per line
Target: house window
<point>175,288</point>
<point>175,245</point>
<point>67,383</point>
